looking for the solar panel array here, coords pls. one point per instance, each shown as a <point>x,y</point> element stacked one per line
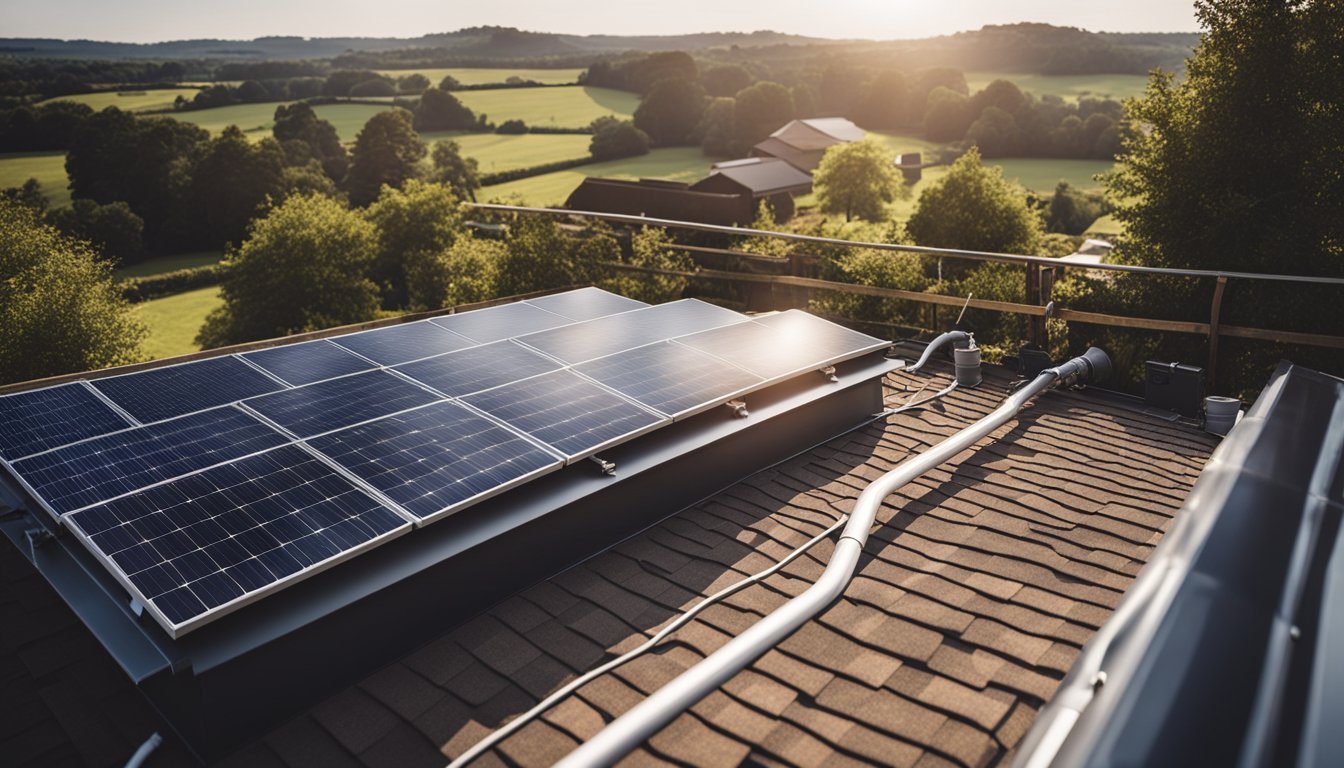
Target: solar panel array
<point>202,486</point>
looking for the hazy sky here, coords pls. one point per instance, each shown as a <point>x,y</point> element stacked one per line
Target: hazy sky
<point>155,20</point>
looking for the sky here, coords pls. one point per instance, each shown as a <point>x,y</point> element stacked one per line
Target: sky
<point>143,21</point>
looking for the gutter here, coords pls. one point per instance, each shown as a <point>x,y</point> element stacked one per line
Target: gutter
<point>649,716</point>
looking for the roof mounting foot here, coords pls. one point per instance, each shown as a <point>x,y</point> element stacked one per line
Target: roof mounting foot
<point>36,537</point>
<point>607,467</point>
<point>829,373</point>
<point>738,407</point>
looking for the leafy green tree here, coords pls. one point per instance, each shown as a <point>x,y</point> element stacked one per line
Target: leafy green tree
<point>974,208</point>
<point>298,122</point>
<point>996,133</point>
<point>541,256</point>
<point>511,128</point>
<point>717,135</point>
<point>340,82</point>
<point>231,183</point>
<point>725,79</point>
<point>463,273</point>
<point>1000,93</point>
<point>885,102</point>
<point>59,306</point>
<point>449,83</point>
<point>1072,211</point>
<point>1237,168</point>
<point>302,268</point>
<point>418,219</point>
<point>614,139</point>
<point>760,110</point>
<point>412,83</point>
<point>387,151</point>
<point>651,248</point>
<point>451,168</point>
<point>29,193</point>
<point>670,111</point>
<point>883,269</point>
<point>441,111</point>
<point>307,179</point>
<point>947,115</point>
<point>857,179</point>
<point>113,230</point>
<point>804,100</point>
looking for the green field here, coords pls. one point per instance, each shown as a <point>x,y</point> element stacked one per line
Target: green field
<point>573,107</point>
<point>256,119</point>
<point>170,264</point>
<point>131,100</point>
<point>489,76</point>
<point>47,167</point>
<point>1070,87</point>
<point>1041,174</point>
<point>551,189</point>
<point>495,153</point>
<point>175,320</point>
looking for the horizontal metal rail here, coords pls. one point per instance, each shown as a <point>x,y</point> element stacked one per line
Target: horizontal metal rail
<point>1044,261</point>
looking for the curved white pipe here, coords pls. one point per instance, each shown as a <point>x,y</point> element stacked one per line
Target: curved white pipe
<point>650,715</point>
<point>937,343</point>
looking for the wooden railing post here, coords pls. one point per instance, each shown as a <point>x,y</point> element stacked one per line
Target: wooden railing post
<point>1214,311</point>
<point>1035,323</point>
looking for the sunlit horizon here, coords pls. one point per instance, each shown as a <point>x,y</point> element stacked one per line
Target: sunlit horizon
<point>149,21</point>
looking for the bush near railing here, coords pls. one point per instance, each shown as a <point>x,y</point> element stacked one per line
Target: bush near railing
<point>138,289</point>
<point>536,170</point>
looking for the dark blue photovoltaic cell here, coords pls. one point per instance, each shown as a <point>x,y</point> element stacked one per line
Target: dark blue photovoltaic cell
<point>337,403</point>
<point>581,342</point>
<point>308,362</point>
<point>502,322</point>
<point>565,411</point>
<point>162,393</point>
<point>785,343</point>
<point>403,343</point>
<point>434,458</point>
<point>478,368</point>
<point>99,469</point>
<point>669,378</point>
<point>585,303</point>
<point>45,418</point>
<point>199,542</point>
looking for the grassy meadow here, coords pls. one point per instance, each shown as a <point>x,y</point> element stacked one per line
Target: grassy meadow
<point>572,107</point>
<point>489,75</point>
<point>1068,87</point>
<point>174,321</point>
<point>47,167</point>
<point>495,152</point>
<point>131,100</point>
<point>551,189</point>
<point>165,264</point>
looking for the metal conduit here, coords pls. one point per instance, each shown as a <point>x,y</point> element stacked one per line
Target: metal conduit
<point>650,715</point>
<point>935,345</point>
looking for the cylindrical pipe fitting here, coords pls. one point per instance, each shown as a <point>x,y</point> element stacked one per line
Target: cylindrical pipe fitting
<point>967,366</point>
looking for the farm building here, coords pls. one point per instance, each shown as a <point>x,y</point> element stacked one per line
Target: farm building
<point>801,143</point>
<point>764,179</point>
<point>663,199</point>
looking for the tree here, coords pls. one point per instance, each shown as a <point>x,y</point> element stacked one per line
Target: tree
<point>513,127</point>
<point>301,268</point>
<point>1003,94</point>
<point>541,256</point>
<point>614,139</point>
<point>973,208</point>
<point>804,100</point>
<point>29,194</point>
<point>451,168</point>
<point>1236,167</point>
<point>298,122</point>
<point>885,102</point>
<point>449,83</point>
<point>340,82</point>
<point>418,219</point>
<point>1071,211</point>
<point>996,133</point>
<point>412,83</point>
<point>725,79</point>
<point>231,182</point>
<point>670,111</point>
<point>651,248</point>
<point>857,179</point>
<point>59,306</point>
<point>441,111</point>
<point>716,130</point>
<point>760,110</point>
<point>386,151</point>
<point>113,230</point>
<point>464,272</point>
<point>946,116</point>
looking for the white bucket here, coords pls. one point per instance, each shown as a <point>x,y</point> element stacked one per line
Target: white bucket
<point>1220,414</point>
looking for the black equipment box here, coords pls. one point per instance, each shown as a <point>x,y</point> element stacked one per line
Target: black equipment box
<point>1174,387</point>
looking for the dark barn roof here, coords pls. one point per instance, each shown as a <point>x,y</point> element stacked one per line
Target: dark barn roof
<point>972,601</point>
<point>804,160</point>
<point>762,178</point>
<point>662,199</point>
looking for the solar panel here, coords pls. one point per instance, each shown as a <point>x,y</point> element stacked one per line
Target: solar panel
<point>308,362</point>
<point>580,342</point>
<point>437,459</point>
<point>502,322</point>
<point>101,468</point>
<point>565,411</point>
<point>478,368</point>
<point>202,545</point>
<point>336,403</point>
<point>784,344</point>
<point>44,418</point>
<point>402,343</point>
<point>162,393</point>
<point>585,303</point>
<point>670,378</point>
